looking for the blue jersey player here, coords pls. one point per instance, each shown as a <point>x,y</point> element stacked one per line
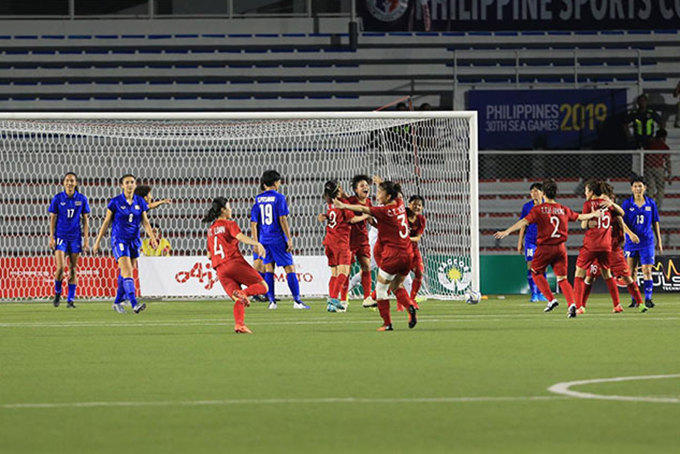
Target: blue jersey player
<point>526,244</point>
<point>642,218</point>
<point>257,260</point>
<point>68,210</point>
<point>270,214</point>
<point>126,212</point>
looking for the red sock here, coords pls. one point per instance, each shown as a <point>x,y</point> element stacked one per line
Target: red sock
<point>613,291</point>
<point>587,288</point>
<point>417,282</point>
<point>340,284</point>
<point>239,314</point>
<point>255,289</point>
<point>366,283</point>
<point>384,309</point>
<point>542,284</point>
<point>333,287</point>
<point>373,294</point>
<point>578,290</point>
<point>567,291</point>
<point>634,291</point>
<point>343,284</point>
<point>402,297</point>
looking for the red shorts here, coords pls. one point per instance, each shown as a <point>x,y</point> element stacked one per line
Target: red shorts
<point>378,253</point>
<point>550,255</point>
<point>617,265</point>
<point>338,255</point>
<point>360,249</point>
<point>235,273</point>
<point>417,262</point>
<point>396,261</point>
<point>587,258</point>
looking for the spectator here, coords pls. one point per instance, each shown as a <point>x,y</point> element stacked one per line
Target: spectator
<point>676,94</point>
<point>425,106</point>
<point>163,248</point>
<point>642,120</point>
<point>657,167</point>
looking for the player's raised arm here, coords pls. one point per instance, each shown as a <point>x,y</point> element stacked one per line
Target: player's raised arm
<point>356,208</point>
<point>516,226</point>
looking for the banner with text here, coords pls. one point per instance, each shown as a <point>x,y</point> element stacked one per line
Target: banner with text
<point>493,15</point>
<point>543,119</point>
<point>195,277</point>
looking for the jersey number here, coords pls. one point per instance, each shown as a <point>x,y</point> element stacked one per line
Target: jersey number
<point>640,218</point>
<point>555,221</point>
<point>130,219</point>
<point>603,223</point>
<point>217,249</point>
<point>404,224</point>
<point>332,219</point>
<point>70,213</point>
<point>267,214</point>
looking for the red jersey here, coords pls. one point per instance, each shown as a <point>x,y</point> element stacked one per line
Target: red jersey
<point>598,238</point>
<point>393,230</point>
<point>359,233</point>
<point>552,222</point>
<point>222,242</point>
<point>417,227</point>
<point>337,226</point>
<point>618,235</point>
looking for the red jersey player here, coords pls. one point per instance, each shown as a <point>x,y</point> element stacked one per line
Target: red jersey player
<point>231,268</point>
<point>397,254</point>
<point>336,242</point>
<point>552,220</point>
<point>617,262</point>
<point>416,223</point>
<point>358,238</point>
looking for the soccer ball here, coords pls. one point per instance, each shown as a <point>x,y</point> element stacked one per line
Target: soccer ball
<point>472,296</point>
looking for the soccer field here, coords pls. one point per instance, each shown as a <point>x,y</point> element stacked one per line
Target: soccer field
<point>472,379</point>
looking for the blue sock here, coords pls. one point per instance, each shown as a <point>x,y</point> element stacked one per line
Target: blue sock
<point>532,284</point>
<point>269,279</point>
<point>71,292</point>
<point>120,294</point>
<point>293,285</point>
<point>649,288</point>
<point>129,285</point>
<point>57,287</point>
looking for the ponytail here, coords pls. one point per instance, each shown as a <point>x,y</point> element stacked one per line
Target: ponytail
<point>215,209</point>
<point>331,189</point>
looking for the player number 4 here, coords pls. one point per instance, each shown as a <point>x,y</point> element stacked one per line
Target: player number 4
<point>217,249</point>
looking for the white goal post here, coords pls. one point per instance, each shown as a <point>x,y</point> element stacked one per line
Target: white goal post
<point>194,157</point>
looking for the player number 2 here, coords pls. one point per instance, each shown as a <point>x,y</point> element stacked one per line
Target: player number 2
<point>404,224</point>
<point>555,221</point>
<point>332,219</point>
<point>217,248</point>
<point>267,214</point>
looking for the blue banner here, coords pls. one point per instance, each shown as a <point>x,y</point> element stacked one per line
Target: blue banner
<point>543,119</point>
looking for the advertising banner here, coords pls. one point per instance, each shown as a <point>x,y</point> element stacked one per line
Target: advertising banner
<point>494,15</point>
<point>543,119</point>
<point>194,276</point>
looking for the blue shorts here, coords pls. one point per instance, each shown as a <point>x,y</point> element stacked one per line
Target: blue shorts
<point>69,246</point>
<point>529,251</point>
<point>125,248</point>
<point>645,254</point>
<point>277,253</point>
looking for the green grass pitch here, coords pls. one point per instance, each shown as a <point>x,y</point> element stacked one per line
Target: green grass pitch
<point>468,379</point>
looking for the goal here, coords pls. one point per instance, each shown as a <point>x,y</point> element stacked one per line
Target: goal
<point>194,157</point>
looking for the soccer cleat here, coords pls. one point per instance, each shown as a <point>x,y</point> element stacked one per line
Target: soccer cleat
<point>421,299</point>
<point>139,308</point>
<point>335,302</point>
<point>241,297</point>
<point>272,306</point>
<point>369,302</point>
<point>551,305</point>
<point>70,305</point>
<point>261,298</point>
<point>300,305</point>
<point>119,308</point>
<point>649,303</point>
<point>541,297</point>
<point>643,308</point>
<point>412,319</point>
<point>633,304</point>
<point>617,309</point>
<point>571,312</point>
<point>56,300</point>
<point>386,328</point>
<point>581,310</point>
<point>242,329</point>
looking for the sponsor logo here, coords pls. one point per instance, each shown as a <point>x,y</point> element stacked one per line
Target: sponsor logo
<point>79,204</point>
<point>454,274</point>
<point>387,10</point>
<point>664,275</point>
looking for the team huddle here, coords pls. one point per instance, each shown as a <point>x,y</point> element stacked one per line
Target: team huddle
<point>395,250</point>
<point>608,226</point>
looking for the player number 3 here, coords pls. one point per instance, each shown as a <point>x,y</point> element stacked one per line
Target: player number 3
<point>404,224</point>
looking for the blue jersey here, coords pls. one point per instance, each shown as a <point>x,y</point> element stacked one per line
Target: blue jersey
<point>531,232</point>
<point>126,217</point>
<point>68,211</point>
<point>269,207</point>
<point>640,219</point>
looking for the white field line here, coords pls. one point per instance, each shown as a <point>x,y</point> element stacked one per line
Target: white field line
<point>564,389</point>
<point>303,401</point>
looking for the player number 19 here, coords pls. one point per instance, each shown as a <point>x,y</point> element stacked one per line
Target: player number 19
<point>267,214</point>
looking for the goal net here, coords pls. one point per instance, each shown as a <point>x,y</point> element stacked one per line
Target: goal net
<point>192,158</point>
